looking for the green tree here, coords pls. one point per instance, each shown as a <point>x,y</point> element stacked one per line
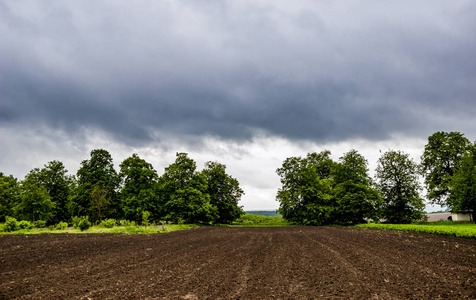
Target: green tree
<point>306,193</point>
<point>463,184</point>
<point>398,184</point>
<point>185,192</point>
<point>35,202</point>
<point>439,161</point>
<point>355,199</point>
<point>9,195</point>
<point>58,185</point>
<point>97,171</point>
<point>224,191</point>
<point>139,189</point>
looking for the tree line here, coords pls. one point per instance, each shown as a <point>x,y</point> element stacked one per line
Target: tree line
<point>98,192</point>
<point>319,191</point>
<point>315,189</point>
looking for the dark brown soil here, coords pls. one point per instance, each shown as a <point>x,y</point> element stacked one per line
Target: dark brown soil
<point>239,263</point>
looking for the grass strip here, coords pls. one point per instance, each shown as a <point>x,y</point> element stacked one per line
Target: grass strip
<point>250,220</point>
<point>115,229</point>
<point>457,229</point>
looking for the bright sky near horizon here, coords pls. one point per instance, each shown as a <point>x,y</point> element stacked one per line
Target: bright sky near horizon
<point>245,83</point>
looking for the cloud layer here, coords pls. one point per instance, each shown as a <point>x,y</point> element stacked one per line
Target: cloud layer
<point>244,82</point>
<point>232,69</point>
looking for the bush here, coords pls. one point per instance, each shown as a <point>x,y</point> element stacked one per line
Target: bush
<point>75,222</point>
<point>61,226</point>
<point>11,224</point>
<point>145,218</point>
<point>108,223</point>
<point>39,224</point>
<point>84,224</point>
<point>127,223</point>
<point>25,225</point>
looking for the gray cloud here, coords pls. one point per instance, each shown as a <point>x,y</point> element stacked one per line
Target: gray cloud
<point>232,69</point>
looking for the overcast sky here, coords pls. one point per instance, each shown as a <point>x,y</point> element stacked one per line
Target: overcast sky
<point>244,83</point>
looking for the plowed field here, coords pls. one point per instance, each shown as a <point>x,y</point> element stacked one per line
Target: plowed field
<point>239,263</point>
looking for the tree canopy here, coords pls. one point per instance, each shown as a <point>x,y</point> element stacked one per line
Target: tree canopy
<point>185,192</point>
<point>354,197</point>
<point>98,171</point>
<point>224,191</point>
<point>440,159</point>
<point>139,189</point>
<point>35,202</point>
<point>318,191</point>
<point>58,185</point>
<point>399,187</point>
<point>305,195</point>
<point>315,190</point>
<point>9,195</point>
<point>136,193</point>
<point>463,184</point>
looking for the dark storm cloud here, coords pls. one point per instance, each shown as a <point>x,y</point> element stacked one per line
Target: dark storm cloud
<point>235,69</point>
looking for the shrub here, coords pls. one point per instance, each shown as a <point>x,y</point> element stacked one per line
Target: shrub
<point>84,224</point>
<point>61,226</point>
<point>145,218</point>
<point>39,224</point>
<point>25,225</point>
<point>127,223</point>
<point>108,223</point>
<point>11,224</point>
<point>75,222</point>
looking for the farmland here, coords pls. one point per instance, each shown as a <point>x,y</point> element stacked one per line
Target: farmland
<point>232,262</point>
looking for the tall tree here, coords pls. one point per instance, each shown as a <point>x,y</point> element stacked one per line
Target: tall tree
<point>35,202</point>
<point>463,184</point>
<point>398,183</point>
<point>224,191</point>
<point>97,171</point>
<point>9,195</point>
<point>185,192</point>
<point>441,157</point>
<point>139,189</point>
<point>305,195</point>
<point>58,185</point>
<point>355,199</point>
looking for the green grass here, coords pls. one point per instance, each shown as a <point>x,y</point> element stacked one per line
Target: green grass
<point>458,229</point>
<point>115,229</point>
<point>250,220</point>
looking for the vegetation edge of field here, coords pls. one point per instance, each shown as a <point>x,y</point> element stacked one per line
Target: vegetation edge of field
<point>246,220</point>
<point>100,229</point>
<point>457,229</point>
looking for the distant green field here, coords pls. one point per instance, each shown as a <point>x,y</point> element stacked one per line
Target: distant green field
<point>266,213</point>
<point>458,229</point>
<point>250,220</point>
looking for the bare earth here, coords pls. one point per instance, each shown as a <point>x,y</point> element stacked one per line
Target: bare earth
<point>239,263</point>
